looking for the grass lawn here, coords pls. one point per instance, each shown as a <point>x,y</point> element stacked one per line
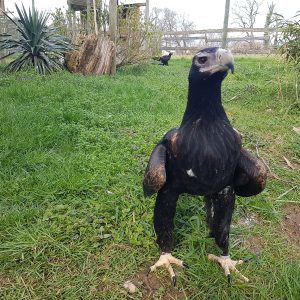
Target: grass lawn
<point>74,222</point>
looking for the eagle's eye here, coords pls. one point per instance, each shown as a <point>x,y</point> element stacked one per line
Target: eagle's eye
<point>202,59</point>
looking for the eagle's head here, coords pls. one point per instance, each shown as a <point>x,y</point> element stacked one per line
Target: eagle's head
<point>211,63</point>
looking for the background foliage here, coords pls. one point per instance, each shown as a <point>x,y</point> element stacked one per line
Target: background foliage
<point>291,41</point>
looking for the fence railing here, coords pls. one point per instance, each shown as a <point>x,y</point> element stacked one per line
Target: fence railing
<point>245,40</point>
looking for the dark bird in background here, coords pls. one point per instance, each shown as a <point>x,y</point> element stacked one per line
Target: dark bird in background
<point>203,156</point>
<point>164,59</point>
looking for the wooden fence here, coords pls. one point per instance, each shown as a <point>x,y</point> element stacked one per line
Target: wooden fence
<point>6,26</point>
<point>240,40</point>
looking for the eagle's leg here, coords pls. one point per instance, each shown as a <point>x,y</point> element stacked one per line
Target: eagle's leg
<point>250,175</point>
<point>220,208</point>
<point>164,212</point>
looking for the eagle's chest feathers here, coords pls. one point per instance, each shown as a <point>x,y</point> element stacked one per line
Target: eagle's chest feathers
<point>209,150</point>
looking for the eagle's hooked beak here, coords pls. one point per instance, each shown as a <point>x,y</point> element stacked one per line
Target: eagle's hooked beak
<point>230,67</point>
<point>225,59</point>
<point>223,62</point>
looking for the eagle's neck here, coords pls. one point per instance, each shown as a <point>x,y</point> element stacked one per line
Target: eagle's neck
<point>204,101</point>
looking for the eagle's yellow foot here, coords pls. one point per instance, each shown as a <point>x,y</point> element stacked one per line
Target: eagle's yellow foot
<point>166,259</point>
<point>228,265</point>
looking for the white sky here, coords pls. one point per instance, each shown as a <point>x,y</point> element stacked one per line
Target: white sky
<point>205,14</point>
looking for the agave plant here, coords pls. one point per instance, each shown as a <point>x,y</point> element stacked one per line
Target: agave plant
<point>36,44</point>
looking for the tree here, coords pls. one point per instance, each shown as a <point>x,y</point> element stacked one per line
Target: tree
<point>167,20</point>
<point>273,20</point>
<point>268,23</point>
<point>245,14</point>
<point>137,39</point>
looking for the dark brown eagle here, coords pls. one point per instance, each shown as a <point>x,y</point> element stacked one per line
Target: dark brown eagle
<point>203,156</point>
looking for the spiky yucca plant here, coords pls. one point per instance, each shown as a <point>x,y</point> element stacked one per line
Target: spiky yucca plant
<point>37,44</point>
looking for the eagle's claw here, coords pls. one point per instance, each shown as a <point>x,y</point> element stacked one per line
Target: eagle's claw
<point>229,266</point>
<point>166,259</point>
<point>229,278</point>
<point>174,280</point>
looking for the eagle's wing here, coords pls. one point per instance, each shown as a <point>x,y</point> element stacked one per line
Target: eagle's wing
<point>155,175</point>
<point>250,175</point>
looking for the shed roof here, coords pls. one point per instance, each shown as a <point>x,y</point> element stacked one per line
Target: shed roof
<point>81,4</point>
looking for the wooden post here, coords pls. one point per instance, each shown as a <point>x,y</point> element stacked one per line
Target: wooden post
<point>99,15</point>
<point>70,20</point>
<point>2,6</point>
<point>147,11</point>
<point>74,23</point>
<point>225,25</point>
<point>113,31</point>
<point>95,17</point>
<point>88,16</point>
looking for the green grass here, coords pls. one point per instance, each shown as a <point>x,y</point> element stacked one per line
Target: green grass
<point>74,223</point>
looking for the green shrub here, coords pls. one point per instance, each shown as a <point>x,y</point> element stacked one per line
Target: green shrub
<point>291,41</point>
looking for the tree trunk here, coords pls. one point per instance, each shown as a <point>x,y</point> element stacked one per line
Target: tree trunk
<point>95,56</point>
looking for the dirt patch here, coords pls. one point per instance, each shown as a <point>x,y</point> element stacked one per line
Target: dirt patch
<point>291,223</point>
<point>57,261</point>
<point>152,287</point>
<point>255,244</point>
<point>4,280</point>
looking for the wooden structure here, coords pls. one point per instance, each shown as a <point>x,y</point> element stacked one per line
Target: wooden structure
<point>79,5</point>
<point>2,7</point>
<point>94,56</point>
<point>130,8</point>
<point>113,24</point>
<point>6,26</point>
<point>225,24</point>
<point>190,41</point>
<point>86,7</point>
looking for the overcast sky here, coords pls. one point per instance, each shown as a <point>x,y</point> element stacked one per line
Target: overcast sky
<point>205,14</point>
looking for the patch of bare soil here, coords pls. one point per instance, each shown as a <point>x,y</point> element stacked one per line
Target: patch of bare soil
<point>152,287</point>
<point>291,223</point>
<point>255,244</point>
<point>4,280</point>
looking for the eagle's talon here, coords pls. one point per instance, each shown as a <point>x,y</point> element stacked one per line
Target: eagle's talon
<point>229,278</point>
<point>166,259</point>
<point>229,266</point>
<point>174,280</point>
